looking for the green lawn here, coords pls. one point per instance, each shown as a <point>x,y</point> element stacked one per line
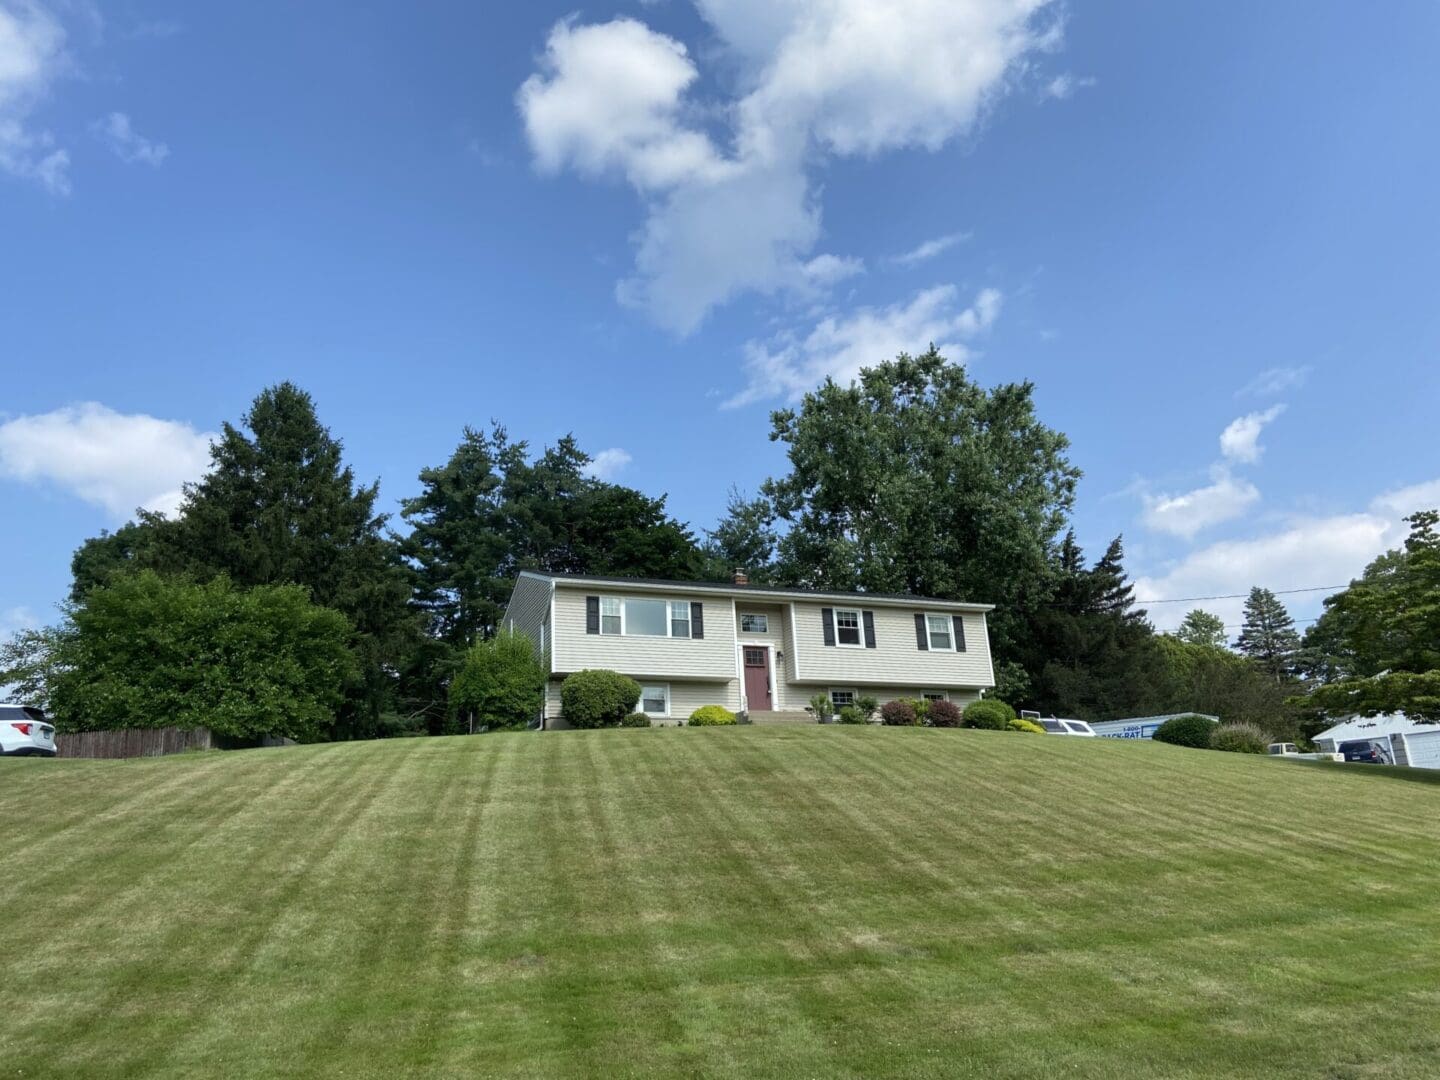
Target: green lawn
<point>747,902</point>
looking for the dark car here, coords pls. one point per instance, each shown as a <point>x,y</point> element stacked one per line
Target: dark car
<point>1364,750</point>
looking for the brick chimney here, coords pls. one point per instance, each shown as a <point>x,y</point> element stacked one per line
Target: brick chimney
<point>739,577</point>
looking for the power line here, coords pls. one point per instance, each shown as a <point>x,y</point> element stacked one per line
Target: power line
<point>1243,595</point>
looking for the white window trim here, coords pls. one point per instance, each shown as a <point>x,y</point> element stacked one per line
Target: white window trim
<point>669,634</point>
<point>754,615</point>
<point>929,635</point>
<point>859,626</point>
<point>927,695</point>
<point>640,705</point>
<point>851,690</point>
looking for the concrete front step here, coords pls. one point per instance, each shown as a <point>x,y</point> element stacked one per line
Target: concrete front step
<point>782,718</point>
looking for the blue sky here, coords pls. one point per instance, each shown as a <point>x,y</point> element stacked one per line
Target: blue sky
<point>1208,235</point>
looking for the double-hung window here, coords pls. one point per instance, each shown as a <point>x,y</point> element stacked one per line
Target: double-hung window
<point>935,695</point>
<point>847,627</point>
<point>655,700</point>
<point>841,698</point>
<point>679,618</point>
<point>754,623</point>
<point>938,629</point>
<point>611,621</point>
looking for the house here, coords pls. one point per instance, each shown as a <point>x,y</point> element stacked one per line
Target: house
<point>1400,739</point>
<point>750,648</point>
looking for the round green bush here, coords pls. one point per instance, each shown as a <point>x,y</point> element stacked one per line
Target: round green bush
<point>852,714</point>
<point>598,698</point>
<point>944,714</point>
<point>1239,739</point>
<point>988,713</point>
<point>636,719</point>
<point>711,716</point>
<point>898,713</point>
<point>1021,724</point>
<point>1186,730</point>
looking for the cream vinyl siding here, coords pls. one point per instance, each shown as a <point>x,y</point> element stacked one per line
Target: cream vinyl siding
<point>528,610</point>
<point>895,657</point>
<point>685,697</point>
<point>712,656</point>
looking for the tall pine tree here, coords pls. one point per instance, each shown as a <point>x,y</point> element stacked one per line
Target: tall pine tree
<point>1268,635</point>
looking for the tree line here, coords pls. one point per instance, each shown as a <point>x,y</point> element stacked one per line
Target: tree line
<point>342,623</point>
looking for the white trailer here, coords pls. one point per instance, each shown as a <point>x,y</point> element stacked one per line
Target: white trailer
<point>1137,727</point>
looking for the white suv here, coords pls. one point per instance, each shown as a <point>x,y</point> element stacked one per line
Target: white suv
<point>24,730</point>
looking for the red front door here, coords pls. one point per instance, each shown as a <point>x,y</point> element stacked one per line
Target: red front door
<point>757,679</point>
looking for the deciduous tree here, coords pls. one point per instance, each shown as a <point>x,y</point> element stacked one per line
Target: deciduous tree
<point>1202,628</point>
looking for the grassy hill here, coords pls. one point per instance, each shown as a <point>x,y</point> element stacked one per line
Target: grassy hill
<point>748,902</point>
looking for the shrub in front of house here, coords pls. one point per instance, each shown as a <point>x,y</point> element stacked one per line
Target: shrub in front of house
<point>990,714</point>
<point>898,713</point>
<point>499,686</point>
<point>1186,730</point>
<point>1021,724</point>
<point>597,698</point>
<point>852,714</point>
<point>822,707</point>
<point>868,707</point>
<point>636,719</point>
<point>711,716</point>
<point>1239,739</point>
<point>944,713</point>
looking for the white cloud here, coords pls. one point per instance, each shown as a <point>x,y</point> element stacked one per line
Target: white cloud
<point>607,463</point>
<point>609,99</point>
<point>1274,381</point>
<point>826,270</point>
<point>1226,497</point>
<point>839,346</point>
<point>1240,441</point>
<point>129,145</point>
<point>1304,552</point>
<point>117,461</point>
<point>929,249</point>
<point>814,78</point>
<point>32,54</point>
<point>1064,86</point>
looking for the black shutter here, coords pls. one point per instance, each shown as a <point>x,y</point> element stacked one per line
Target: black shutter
<point>697,619</point>
<point>592,614</point>
<point>869,617</point>
<point>922,639</point>
<point>959,622</point>
<point>828,615</point>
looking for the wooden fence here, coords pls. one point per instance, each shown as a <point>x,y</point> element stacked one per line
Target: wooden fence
<point>134,742</point>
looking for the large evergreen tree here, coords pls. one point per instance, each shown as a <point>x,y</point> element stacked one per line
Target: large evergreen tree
<point>1268,635</point>
<point>459,539</point>
<point>1091,653</point>
<point>744,539</point>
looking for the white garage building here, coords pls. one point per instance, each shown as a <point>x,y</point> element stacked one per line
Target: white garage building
<point>1404,741</point>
